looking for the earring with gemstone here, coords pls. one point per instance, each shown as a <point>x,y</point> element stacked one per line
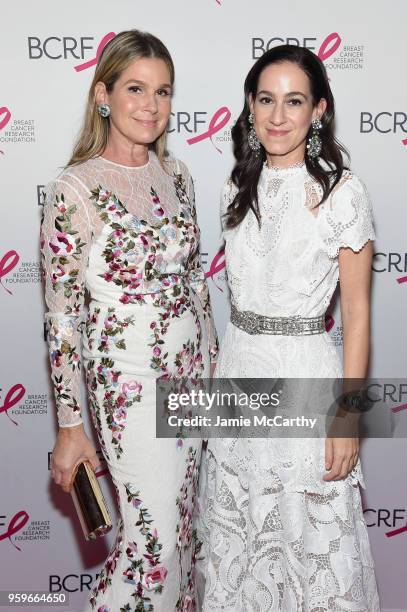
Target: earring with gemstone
<point>104,110</point>
<point>314,146</point>
<point>252,139</point>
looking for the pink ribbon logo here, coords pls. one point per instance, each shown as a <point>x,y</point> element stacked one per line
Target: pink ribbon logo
<point>107,38</point>
<point>4,121</point>
<point>218,121</point>
<point>7,116</point>
<point>218,264</point>
<point>399,408</point>
<point>329,322</point>
<point>404,142</point>
<point>7,263</point>
<point>16,524</point>
<point>329,46</point>
<point>395,532</point>
<point>13,397</point>
<point>402,279</point>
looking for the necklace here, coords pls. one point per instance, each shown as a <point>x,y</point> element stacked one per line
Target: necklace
<point>300,164</point>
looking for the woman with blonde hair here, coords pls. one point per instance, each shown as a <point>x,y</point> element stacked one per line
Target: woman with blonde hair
<point>120,225</point>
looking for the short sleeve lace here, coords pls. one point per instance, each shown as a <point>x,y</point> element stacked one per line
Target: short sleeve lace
<point>347,218</point>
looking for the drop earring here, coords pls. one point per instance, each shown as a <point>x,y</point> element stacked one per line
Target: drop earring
<point>314,146</point>
<point>252,139</point>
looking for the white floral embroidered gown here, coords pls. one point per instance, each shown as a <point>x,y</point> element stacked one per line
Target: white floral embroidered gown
<point>278,537</point>
<point>128,236</point>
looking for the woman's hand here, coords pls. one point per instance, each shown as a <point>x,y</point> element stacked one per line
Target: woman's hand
<point>341,456</point>
<point>71,448</point>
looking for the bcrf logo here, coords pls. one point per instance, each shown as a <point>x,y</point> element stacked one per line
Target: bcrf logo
<point>68,47</point>
<point>387,518</point>
<point>184,121</point>
<point>328,47</point>
<point>384,122</point>
<point>190,122</point>
<point>59,47</point>
<point>71,583</point>
<point>391,262</point>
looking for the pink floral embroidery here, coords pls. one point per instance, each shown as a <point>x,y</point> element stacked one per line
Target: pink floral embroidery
<point>187,535</point>
<point>105,576</point>
<point>62,244</point>
<point>149,579</point>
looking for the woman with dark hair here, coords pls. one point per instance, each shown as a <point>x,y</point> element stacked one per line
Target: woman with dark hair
<point>120,224</point>
<point>283,520</point>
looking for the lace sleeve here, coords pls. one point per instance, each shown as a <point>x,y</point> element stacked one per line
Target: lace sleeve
<point>65,242</point>
<point>348,219</point>
<point>200,284</point>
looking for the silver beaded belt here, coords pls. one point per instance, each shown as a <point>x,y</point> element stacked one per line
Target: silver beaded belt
<point>253,323</point>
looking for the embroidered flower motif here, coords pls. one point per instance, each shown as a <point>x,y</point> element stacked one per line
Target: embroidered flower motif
<point>131,389</point>
<point>187,604</point>
<point>155,578</point>
<point>62,244</point>
<point>158,210</point>
<point>59,275</point>
<point>117,399</point>
<point>65,245</point>
<point>131,549</point>
<point>63,393</point>
<point>105,576</point>
<point>135,251</point>
<point>186,535</point>
<point>145,571</point>
<point>112,332</point>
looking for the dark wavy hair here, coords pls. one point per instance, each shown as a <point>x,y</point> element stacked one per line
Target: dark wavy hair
<point>327,170</point>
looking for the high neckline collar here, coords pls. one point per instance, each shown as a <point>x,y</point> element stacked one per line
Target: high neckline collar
<point>273,178</point>
<point>283,171</point>
<point>151,156</point>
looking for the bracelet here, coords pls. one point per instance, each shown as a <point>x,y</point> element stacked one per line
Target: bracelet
<point>356,401</point>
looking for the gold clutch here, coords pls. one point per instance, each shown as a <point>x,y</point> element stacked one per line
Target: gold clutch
<point>89,502</point>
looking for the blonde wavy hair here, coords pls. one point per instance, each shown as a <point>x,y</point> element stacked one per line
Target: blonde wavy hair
<point>118,54</point>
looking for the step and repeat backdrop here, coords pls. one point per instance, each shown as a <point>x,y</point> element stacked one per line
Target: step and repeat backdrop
<point>48,51</point>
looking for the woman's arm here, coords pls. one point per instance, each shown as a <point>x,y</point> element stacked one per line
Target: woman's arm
<point>65,243</point>
<point>355,274</point>
<point>355,262</point>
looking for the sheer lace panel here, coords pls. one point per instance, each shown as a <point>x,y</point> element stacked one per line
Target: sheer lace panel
<point>111,216</point>
<point>65,242</point>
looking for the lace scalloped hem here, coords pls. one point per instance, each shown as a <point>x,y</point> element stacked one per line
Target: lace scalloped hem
<point>356,247</point>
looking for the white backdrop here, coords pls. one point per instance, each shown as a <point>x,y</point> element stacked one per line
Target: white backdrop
<point>43,48</point>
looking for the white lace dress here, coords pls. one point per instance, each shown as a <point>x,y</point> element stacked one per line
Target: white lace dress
<point>128,237</point>
<point>277,536</point>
